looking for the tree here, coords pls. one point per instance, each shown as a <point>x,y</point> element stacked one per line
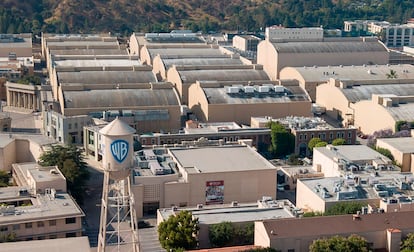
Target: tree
<point>392,74</point>
<point>179,232</point>
<point>385,152</point>
<point>70,161</point>
<point>353,243</point>
<point>221,234</point>
<point>321,144</point>
<point>338,141</point>
<point>4,178</point>
<point>312,143</point>
<point>344,208</point>
<point>283,142</point>
<point>407,244</point>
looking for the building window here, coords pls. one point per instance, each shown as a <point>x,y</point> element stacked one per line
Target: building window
<point>40,224</point>
<point>52,223</point>
<point>306,136</point>
<point>69,126</point>
<point>52,236</point>
<point>312,135</point>
<point>4,229</point>
<point>70,220</point>
<point>76,125</point>
<point>331,136</point>
<point>28,225</point>
<point>349,134</point>
<point>300,137</point>
<point>16,226</point>
<point>72,234</point>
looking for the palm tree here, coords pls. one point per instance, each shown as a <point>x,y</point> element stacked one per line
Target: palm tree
<point>392,74</point>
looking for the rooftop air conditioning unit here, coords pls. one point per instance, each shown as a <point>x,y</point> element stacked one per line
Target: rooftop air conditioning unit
<point>248,89</point>
<point>234,203</point>
<point>279,89</point>
<point>199,206</point>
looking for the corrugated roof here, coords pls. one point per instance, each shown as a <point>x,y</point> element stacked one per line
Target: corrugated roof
<point>355,73</point>
<point>220,96</point>
<point>106,77</point>
<point>364,92</point>
<point>96,62</point>
<point>117,128</point>
<point>201,62</point>
<point>191,76</point>
<point>184,51</point>
<point>120,98</point>
<point>329,47</point>
<point>89,52</point>
<point>402,112</point>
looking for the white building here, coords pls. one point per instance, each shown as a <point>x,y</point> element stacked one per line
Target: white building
<point>279,33</point>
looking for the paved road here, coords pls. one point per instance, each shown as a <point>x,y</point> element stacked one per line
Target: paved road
<point>148,239</point>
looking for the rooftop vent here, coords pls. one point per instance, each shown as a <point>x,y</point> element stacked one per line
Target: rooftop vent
<point>234,203</point>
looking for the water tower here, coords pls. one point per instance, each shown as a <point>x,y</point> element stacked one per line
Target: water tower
<point>118,227</point>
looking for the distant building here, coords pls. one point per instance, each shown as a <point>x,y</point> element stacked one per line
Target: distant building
<point>282,34</point>
<point>16,58</point>
<point>306,128</point>
<point>274,56</point>
<point>393,35</point>
<point>23,97</point>
<point>246,42</point>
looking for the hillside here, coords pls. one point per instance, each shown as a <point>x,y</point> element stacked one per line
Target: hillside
<point>125,16</point>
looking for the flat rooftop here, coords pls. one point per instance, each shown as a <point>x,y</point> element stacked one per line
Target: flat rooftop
<point>8,137</point>
<point>359,186</point>
<point>353,153</point>
<point>79,244</point>
<point>41,173</point>
<point>403,144</point>
<point>43,207</point>
<point>220,159</point>
<point>247,212</point>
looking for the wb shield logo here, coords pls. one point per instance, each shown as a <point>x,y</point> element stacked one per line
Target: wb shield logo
<point>119,150</point>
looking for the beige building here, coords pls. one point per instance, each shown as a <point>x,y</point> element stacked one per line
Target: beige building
<point>161,64</point>
<point>177,38</point>
<point>78,44</point>
<point>384,111</point>
<point>280,33</point>
<point>239,101</point>
<point>402,150</point>
<point>15,148</point>
<point>200,173</point>
<point>183,77</point>
<point>354,103</point>
<point>23,98</point>
<point>16,57</point>
<point>382,231</point>
<point>311,77</point>
<point>354,174</point>
<point>31,216</point>
<point>275,56</point>
<point>80,244</point>
<point>246,42</point>
<point>239,214</point>
<point>38,179</point>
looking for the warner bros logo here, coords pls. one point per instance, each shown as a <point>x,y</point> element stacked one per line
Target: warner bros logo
<point>119,150</point>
